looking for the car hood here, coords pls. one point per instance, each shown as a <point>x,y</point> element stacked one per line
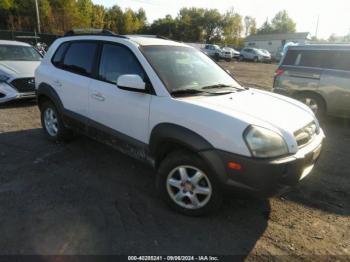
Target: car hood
<point>260,108</point>
<point>18,68</point>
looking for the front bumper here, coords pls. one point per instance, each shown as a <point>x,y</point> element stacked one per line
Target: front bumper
<point>264,177</point>
<point>8,93</point>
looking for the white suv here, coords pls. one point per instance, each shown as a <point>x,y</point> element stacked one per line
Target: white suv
<point>170,105</point>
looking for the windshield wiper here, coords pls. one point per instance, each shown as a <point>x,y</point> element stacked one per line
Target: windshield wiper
<point>187,92</point>
<point>218,86</point>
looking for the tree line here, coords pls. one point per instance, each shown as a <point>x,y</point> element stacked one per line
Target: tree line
<point>190,25</point>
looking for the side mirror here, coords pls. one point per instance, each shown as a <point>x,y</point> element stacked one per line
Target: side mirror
<point>131,83</point>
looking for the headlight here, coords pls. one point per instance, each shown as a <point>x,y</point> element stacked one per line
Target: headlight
<point>264,143</point>
<point>3,78</point>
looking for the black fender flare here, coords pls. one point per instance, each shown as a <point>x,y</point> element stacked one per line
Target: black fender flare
<point>185,138</point>
<point>48,91</point>
<point>167,132</point>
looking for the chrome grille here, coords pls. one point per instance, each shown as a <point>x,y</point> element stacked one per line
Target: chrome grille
<point>24,85</point>
<point>306,134</point>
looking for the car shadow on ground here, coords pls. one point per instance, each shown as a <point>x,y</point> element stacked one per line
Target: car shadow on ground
<point>18,103</point>
<point>86,198</point>
<point>328,188</point>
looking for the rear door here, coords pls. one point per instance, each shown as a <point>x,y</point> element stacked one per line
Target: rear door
<point>302,71</point>
<point>73,76</point>
<point>119,111</point>
<point>335,82</point>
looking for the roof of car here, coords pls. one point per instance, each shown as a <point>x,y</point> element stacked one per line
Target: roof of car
<point>142,40</point>
<point>320,47</point>
<point>8,42</point>
<point>145,40</point>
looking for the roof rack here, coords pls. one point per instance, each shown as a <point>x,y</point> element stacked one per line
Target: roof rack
<point>92,31</point>
<point>150,36</point>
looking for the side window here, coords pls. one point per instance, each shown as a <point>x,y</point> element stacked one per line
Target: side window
<point>80,57</point>
<point>339,60</point>
<point>291,57</point>
<point>311,58</point>
<point>118,60</point>
<point>58,56</point>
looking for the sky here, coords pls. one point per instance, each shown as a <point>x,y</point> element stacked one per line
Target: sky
<point>333,15</point>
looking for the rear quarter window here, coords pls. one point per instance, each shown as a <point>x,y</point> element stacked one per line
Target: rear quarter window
<point>58,56</point>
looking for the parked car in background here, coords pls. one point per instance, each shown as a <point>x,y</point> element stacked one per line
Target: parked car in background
<point>234,53</point>
<point>215,52</point>
<point>254,54</point>
<point>18,62</point>
<point>152,98</point>
<point>317,75</point>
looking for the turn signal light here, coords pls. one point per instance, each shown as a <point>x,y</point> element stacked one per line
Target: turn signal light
<point>235,166</point>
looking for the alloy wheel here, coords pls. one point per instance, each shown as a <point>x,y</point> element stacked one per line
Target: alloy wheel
<point>51,121</point>
<point>189,187</point>
<point>311,103</point>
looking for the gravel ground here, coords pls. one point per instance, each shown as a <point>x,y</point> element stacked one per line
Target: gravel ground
<point>85,198</point>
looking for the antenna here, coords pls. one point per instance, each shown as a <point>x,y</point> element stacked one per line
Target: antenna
<point>318,20</point>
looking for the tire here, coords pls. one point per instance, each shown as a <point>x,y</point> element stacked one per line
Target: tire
<point>314,102</point>
<point>186,176</point>
<point>217,57</point>
<point>52,123</point>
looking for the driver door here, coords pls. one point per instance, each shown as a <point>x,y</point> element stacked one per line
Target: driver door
<point>118,111</point>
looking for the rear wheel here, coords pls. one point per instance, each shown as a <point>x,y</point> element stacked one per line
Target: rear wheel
<point>52,123</point>
<point>314,102</point>
<point>217,57</point>
<point>187,185</point>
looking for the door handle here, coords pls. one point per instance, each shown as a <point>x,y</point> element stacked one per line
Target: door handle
<point>98,96</point>
<point>57,83</point>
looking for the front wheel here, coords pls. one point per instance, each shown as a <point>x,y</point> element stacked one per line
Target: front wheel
<point>314,102</point>
<point>187,185</point>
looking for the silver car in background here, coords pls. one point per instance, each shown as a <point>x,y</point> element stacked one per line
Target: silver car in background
<point>254,54</point>
<point>319,76</point>
<point>18,62</point>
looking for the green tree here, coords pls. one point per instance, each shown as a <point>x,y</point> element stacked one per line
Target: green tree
<point>232,26</point>
<point>85,8</point>
<point>66,15</point>
<point>213,24</point>
<point>190,24</point>
<point>6,4</point>
<point>46,18</point>
<point>250,25</point>
<point>114,19</point>
<point>282,23</point>
<point>165,27</point>
<point>266,28</point>
<point>98,16</point>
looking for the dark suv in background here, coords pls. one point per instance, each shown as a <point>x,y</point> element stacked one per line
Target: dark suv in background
<point>319,76</point>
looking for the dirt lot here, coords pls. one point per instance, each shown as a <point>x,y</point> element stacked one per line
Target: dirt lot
<point>85,198</point>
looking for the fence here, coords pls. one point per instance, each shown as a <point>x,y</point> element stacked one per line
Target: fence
<point>28,37</point>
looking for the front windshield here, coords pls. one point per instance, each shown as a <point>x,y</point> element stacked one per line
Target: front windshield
<point>18,53</point>
<point>186,68</point>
